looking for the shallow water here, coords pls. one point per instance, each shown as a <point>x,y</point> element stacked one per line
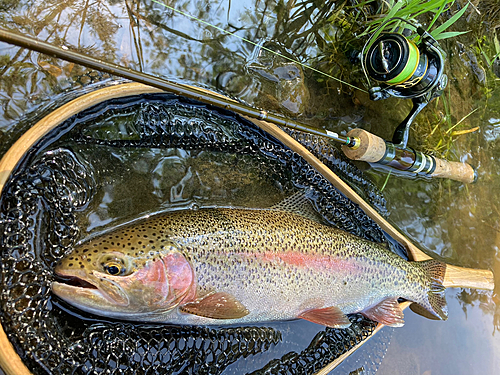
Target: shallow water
<point>456,222</point>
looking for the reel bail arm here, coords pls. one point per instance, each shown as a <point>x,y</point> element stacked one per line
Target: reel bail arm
<point>402,132</point>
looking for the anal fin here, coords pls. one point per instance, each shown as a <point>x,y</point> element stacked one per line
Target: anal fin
<point>216,306</point>
<point>387,312</point>
<point>331,317</point>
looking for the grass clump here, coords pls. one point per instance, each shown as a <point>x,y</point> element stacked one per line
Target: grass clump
<point>397,12</point>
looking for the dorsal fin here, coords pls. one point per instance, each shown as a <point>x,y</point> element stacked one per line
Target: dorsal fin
<point>299,203</point>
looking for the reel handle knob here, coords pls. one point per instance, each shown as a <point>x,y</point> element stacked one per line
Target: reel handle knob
<point>374,149</point>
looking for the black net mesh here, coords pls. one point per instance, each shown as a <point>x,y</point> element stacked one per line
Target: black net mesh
<point>326,346</point>
<point>342,167</point>
<point>48,197</point>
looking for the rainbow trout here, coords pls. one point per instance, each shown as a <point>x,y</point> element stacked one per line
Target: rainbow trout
<point>227,266</point>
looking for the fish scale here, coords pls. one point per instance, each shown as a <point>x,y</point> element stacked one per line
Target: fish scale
<point>228,265</point>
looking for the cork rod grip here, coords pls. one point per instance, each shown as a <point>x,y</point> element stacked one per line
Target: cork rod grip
<point>372,149</point>
<point>453,170</point>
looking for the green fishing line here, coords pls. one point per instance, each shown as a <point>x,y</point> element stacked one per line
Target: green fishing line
<point>256,44</point>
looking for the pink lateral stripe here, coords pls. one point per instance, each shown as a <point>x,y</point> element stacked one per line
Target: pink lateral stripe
<point>317,262</point>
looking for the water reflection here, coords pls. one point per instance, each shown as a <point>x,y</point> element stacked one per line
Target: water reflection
<point>458,223</point>
<point>146,36</point>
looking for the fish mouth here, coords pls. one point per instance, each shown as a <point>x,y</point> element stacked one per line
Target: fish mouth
<point>87,290</point>
<point>74,281</point>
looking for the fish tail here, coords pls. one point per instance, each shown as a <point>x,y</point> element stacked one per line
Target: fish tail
<point>433,305</point>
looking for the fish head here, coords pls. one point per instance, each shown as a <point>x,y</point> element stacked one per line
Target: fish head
<point>131,282</point>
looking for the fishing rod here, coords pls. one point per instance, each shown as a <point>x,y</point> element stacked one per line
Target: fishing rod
<point>357,145</point>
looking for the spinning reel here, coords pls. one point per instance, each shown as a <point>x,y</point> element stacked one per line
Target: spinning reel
<point>404,70</point>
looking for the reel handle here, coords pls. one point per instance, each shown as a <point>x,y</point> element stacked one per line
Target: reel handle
<point>374,149</point>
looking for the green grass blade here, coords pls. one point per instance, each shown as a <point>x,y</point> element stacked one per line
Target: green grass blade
<point>450,34</point>
<point>391,14</point>
<point>394,9</point>
<point>441,9</point>
<point>438,30</point>
<point>422,7</point>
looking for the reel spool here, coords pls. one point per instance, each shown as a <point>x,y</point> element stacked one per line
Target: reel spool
<point>405,70</point>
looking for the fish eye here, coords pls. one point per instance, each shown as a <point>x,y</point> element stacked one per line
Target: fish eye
<point>114,268</point>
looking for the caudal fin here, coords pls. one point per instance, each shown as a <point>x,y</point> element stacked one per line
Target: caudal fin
<point>433,305</point>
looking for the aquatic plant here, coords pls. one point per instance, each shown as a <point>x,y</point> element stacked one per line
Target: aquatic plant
<point>483,49</point>
<point>410,10</point>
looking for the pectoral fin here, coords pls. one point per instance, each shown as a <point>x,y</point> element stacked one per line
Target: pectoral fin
<point>216,306</point>
<point>386,312</point>
<point>331,317</point>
